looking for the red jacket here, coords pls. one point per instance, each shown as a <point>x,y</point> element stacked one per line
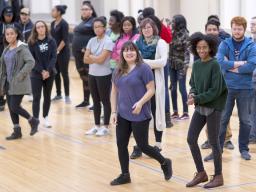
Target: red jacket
<point>166,34</point>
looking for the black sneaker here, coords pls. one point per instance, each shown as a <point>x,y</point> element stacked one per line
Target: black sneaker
<point>83,105</point>
<point>209,157</point>
<point>57,98</point>
<point>169,124</point>
<point>34,125</point>
<point>2,108</point>
<point>206,145</point>
<point>167,169</point>
<point>121,179</point>
<point>229,145</point>
<point>136,153</point>
<point>246,155</point>
<point>91,108</point>
<point>15,135</point>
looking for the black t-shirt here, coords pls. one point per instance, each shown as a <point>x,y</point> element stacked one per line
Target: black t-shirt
<point>237,47</point>
<point>60,33</point>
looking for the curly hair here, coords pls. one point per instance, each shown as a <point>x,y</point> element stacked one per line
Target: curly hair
<point>211,40</point>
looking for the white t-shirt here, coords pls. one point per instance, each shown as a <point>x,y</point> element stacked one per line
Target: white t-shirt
<point>96,47</point>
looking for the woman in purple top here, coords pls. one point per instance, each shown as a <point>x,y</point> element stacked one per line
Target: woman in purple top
<point>132,88</point>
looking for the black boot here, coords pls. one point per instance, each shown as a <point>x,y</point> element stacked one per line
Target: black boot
<point>121,179</point>
<point>167,169</point>
<point>136,153</point>
<point>34,125</point>
<point>16,134</point>
<point>168,120</point>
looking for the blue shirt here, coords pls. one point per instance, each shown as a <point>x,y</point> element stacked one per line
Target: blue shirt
<point>226,58</point>
<point>130,89</point>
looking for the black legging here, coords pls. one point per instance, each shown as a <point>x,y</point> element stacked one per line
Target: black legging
<point>37,85</point>
<point>62,68</point>
<point>213,125</point>
<point>158,134</point>
<point>83,70</point>
<point>140,133</point>
<point>100,90</point>
<point>15,109</point>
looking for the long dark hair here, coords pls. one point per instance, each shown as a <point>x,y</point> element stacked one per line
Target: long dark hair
<point>17,31</point>
<point>180,23</point>
<point>133,22</point>
<point>123,65</point>
<point>33,38</point>
<point>88,3</point>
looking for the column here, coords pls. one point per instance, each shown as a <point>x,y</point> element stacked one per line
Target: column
<point>233,7</point>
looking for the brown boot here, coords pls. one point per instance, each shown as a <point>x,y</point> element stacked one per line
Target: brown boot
<point>216,181</point>
<point>199,178</point>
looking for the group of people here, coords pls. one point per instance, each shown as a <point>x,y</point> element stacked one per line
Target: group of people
<point>125,69</point>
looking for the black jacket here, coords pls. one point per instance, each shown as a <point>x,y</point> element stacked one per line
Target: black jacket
<point>82,34</point>
<point>25,30</point>
<point>45,55</point>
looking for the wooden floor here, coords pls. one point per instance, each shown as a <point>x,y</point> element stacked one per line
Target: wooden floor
<point>63,159</point>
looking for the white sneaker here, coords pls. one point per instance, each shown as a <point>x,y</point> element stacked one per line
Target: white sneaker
<point>92,131</point>
<point>67,100</point>
<point>102,131</point>
<point>47,123</point>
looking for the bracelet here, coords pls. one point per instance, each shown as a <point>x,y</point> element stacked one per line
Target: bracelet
<point>113,112</point>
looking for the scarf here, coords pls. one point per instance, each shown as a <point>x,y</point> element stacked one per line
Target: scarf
<point>147,49</point>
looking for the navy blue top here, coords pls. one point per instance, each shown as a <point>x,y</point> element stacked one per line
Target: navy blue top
<point>130,89</point>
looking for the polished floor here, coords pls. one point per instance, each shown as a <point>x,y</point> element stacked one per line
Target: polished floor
<point>63,159</point>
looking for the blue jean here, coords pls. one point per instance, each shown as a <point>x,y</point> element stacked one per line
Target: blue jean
<point>242,98</point>
<point>253,116</point>
<point>178,76</point>
<point>167,97</point>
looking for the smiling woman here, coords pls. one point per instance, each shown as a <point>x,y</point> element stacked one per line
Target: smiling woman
<point>15,66</point>
<point>132,89</point>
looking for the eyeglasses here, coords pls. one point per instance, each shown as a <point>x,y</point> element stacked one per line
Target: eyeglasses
<point>85,9</point>
<point>97,27</point>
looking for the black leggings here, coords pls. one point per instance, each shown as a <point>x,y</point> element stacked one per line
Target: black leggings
<point>158,134</point>
<point>83,70</point>
<point>15,109</point>
<point>62,68</point>
<point>37,85</point>
<point>140,133</point>
<point>213,125</point>
<point>100,90</point>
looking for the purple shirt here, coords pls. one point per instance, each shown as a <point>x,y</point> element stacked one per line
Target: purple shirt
<point>130,89</point>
